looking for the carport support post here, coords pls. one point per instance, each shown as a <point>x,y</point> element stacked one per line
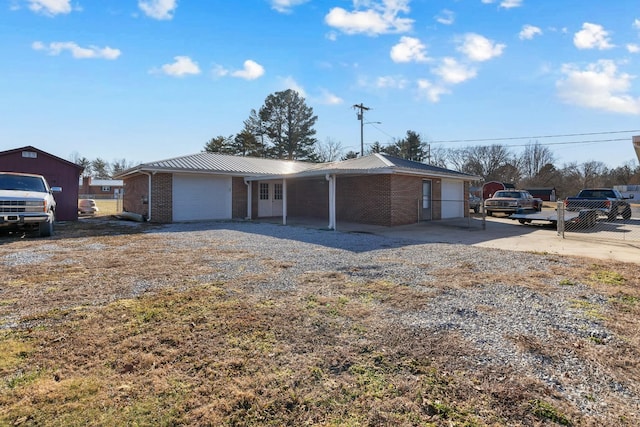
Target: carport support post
<point>332,201</point>
<point>284,202</point>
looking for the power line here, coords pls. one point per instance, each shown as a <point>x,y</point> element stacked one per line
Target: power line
<point>536,137</point>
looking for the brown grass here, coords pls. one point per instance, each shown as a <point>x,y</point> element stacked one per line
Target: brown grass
<point>196,352</point>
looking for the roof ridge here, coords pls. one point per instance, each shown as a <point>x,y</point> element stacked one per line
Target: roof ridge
<point>385,160</point>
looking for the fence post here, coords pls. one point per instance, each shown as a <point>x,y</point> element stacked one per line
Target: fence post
<point>560,213</point>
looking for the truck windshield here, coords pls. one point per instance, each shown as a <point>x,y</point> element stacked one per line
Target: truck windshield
<point>22,183</point>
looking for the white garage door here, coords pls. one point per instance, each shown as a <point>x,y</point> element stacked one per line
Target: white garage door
<point>201,197</point>
<point>452,199</point>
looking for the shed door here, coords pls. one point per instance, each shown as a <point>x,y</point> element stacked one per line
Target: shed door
<point>452,199</point>
<point>201,197</point>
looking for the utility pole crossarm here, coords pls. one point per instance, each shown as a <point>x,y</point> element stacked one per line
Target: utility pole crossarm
<point>362,109</point>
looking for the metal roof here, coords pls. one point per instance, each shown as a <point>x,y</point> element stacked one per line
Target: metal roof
<point>255,168</point>
<point>376,163</point>
<point>221,164</point>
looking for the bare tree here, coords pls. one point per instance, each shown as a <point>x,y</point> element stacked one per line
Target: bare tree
<point>534,157</point>
<point>489,162</point>
<point>329,150</point>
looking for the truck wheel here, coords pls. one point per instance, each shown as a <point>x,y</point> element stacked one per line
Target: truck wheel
<point>489,213</point>
<point>45,229</point>
<point>626,214</point>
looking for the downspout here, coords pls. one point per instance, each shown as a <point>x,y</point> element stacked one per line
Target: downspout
<point>248,184</point>
<point>149,174</point>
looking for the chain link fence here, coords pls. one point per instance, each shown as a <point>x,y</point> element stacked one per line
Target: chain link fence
<point>593,220</point>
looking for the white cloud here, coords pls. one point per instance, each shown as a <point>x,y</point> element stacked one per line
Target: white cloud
<point>510,4</point>
<point>479,48</point>
<point>91,52</point>
<point>505,4</point>
<point>432,91</point>
<point>453,72</point>
<point>446,17</point>
<point>633,48</point>
<point>251,71</point>
<point>376,18</point>
<point>158,9</point>
<point>328,98</point>
<point>636,24</point>
<point>285,6</point>
<point>528,32</point>
<point>409,50</point>
<point>290,83</point>
<point>50,7</point>
<point>392,82</point>
<point>592,36</point>
<point>599,86</point>
<point>182,66</point>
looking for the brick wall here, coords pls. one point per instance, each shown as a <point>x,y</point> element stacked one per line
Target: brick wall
<point>308,198</point>
<point>238,198</point>
<point>406,193</point>
<point>136,195</point>
<point>364,199</point>
<point>162,197</point>
<point>436,196</point>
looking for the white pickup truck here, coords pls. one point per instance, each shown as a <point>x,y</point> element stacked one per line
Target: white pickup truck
<point>26,202</point>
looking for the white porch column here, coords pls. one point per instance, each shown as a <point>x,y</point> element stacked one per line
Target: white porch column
<point>332,201</point>
<point>284,202</point>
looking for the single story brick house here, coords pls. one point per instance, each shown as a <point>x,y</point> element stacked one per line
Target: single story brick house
<point>58,173</point>
<point>376,189</point>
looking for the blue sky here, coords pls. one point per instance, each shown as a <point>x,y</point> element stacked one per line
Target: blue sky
<point>147,80</point>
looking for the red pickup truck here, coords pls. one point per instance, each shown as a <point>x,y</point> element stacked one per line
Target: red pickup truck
<point>512,201</point>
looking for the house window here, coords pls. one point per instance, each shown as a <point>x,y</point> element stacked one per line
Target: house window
<point>277,191</point>
<point>30,154</point>
<point>106,189</point>
<point>264,191</point>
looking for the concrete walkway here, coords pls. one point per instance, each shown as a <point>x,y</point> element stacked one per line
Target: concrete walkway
<point>499,233</point>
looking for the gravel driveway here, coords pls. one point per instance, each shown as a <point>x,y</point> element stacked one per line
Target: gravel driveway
<point>514,309</point>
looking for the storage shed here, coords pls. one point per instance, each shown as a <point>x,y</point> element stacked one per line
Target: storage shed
<point>57,171</point>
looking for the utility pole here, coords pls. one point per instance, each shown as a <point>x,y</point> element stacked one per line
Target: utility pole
<point>362,109</point>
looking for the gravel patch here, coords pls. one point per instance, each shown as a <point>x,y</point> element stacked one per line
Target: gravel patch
<point>495,318</point>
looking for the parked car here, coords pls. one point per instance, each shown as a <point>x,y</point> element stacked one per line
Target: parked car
<point>27,202</point>
<point>512,201</point>
<point>474,203</point>
<point>606,201</point>
<point>87,207</point>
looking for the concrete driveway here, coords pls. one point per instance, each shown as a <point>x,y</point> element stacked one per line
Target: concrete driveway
<point>505,233</point>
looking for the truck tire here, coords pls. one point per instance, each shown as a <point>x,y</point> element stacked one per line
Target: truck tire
<point>489,213</point>
<point>626,214</point>
<point>45,229</point>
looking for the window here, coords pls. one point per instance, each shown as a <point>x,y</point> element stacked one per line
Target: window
<point>30,154</point>
<point>264,191</point>
<point>277,191</point>
<point>106,189</point>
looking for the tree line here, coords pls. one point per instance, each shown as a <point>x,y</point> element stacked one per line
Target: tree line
<point>283,128</point>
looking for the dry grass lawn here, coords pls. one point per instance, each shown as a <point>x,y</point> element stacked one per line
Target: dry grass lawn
<point>76,348</point>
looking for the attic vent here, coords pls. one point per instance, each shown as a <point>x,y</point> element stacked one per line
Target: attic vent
<point>30,154</point>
